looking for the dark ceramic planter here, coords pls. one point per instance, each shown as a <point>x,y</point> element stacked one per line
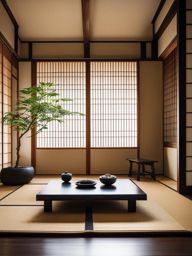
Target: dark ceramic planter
<point>17,175</point>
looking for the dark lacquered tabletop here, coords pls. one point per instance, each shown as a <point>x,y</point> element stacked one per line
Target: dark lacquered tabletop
<point>121,189</point>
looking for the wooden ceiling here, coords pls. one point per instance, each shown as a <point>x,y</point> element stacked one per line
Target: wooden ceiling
<point>84,19</point>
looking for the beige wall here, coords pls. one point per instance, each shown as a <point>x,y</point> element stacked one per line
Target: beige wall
<point>151,112</point>
<point>59,50</point>
<point>111,160</point>
<point>6,26</point>
<point>25,81</point>
<point>170,162</point>
<point>58,160</point>
<point>168,35</point>
<point>24,50</point>
<point>129,50</point>
<point>76,50</point>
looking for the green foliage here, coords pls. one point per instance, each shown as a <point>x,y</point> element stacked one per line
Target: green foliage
<point>36,107</point>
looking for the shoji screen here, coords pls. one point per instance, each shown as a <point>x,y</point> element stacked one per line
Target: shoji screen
<point>7,135</point>
<point>170,100</point>
<point>69,80</point>
<point>1,86</point>
<point>113,104</point>
<point>188,92</point>
<point>5,105</point>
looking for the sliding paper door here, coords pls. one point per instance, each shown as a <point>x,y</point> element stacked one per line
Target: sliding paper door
<point>113,115</point>
<point>62,145</point>
<point>8,70</point>
<point>107,94</point>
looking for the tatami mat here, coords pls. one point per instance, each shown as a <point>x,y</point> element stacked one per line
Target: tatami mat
<point>168,182</point>
<point>5,190</point>
<point>165,210</point>
<point>44,178</point>
<point>33,219</point>
<point>149,216</point>
<point>176,205</point>
<point>25,195</point>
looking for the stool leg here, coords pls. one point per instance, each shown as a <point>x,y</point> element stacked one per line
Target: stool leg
<point>130,169</point>
<point>138,172</point>
<point>153,171</point>
<point>143,169</point>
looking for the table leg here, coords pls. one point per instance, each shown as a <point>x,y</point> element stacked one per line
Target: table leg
<point>132,205</point>
<point>138,172</point>
<point>48,206</point>
<point>130,169</point>
<point>153,171</point>
<point>89,216</point>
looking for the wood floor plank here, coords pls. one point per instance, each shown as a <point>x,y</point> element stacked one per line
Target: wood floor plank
<point>96,246</point>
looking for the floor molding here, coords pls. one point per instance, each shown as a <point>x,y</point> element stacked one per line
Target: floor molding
<point>166,185</point>
<point>99,234</point>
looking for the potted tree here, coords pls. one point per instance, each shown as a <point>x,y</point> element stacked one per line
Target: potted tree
<point>36,108</point>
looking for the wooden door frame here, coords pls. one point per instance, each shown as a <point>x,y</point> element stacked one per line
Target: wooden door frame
<point>88,128</point>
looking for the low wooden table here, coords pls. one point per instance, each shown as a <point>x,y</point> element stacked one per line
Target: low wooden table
<point>142,163</point>
<point>123,189</point>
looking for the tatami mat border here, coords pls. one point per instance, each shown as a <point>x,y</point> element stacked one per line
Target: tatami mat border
<point>166,185</point>
<point>11,192</point>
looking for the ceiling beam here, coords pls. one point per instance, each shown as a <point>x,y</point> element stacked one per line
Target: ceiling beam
<point>9,12</point>
<point>160,7</point>
<point>168,18</point>
<point>86,27</point>
<point>82,41</point>
<point>85,17</point>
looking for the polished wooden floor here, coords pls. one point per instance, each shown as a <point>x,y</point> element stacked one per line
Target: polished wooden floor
<point>148,246</point>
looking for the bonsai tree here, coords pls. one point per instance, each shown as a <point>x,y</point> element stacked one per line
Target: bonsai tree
<point>36,108</point>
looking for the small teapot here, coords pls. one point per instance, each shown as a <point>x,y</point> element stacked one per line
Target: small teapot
<point>66,176</point>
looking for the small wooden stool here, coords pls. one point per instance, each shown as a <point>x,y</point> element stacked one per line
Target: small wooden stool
<point>142,162</point>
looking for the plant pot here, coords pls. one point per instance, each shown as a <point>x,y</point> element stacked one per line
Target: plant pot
<point>17,175</point>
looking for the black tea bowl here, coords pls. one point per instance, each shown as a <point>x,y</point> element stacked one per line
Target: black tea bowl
<point>108,179</point>
<point>66,176</point>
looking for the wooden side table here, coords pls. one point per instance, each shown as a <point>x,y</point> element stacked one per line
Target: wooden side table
<point>142,163</point>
